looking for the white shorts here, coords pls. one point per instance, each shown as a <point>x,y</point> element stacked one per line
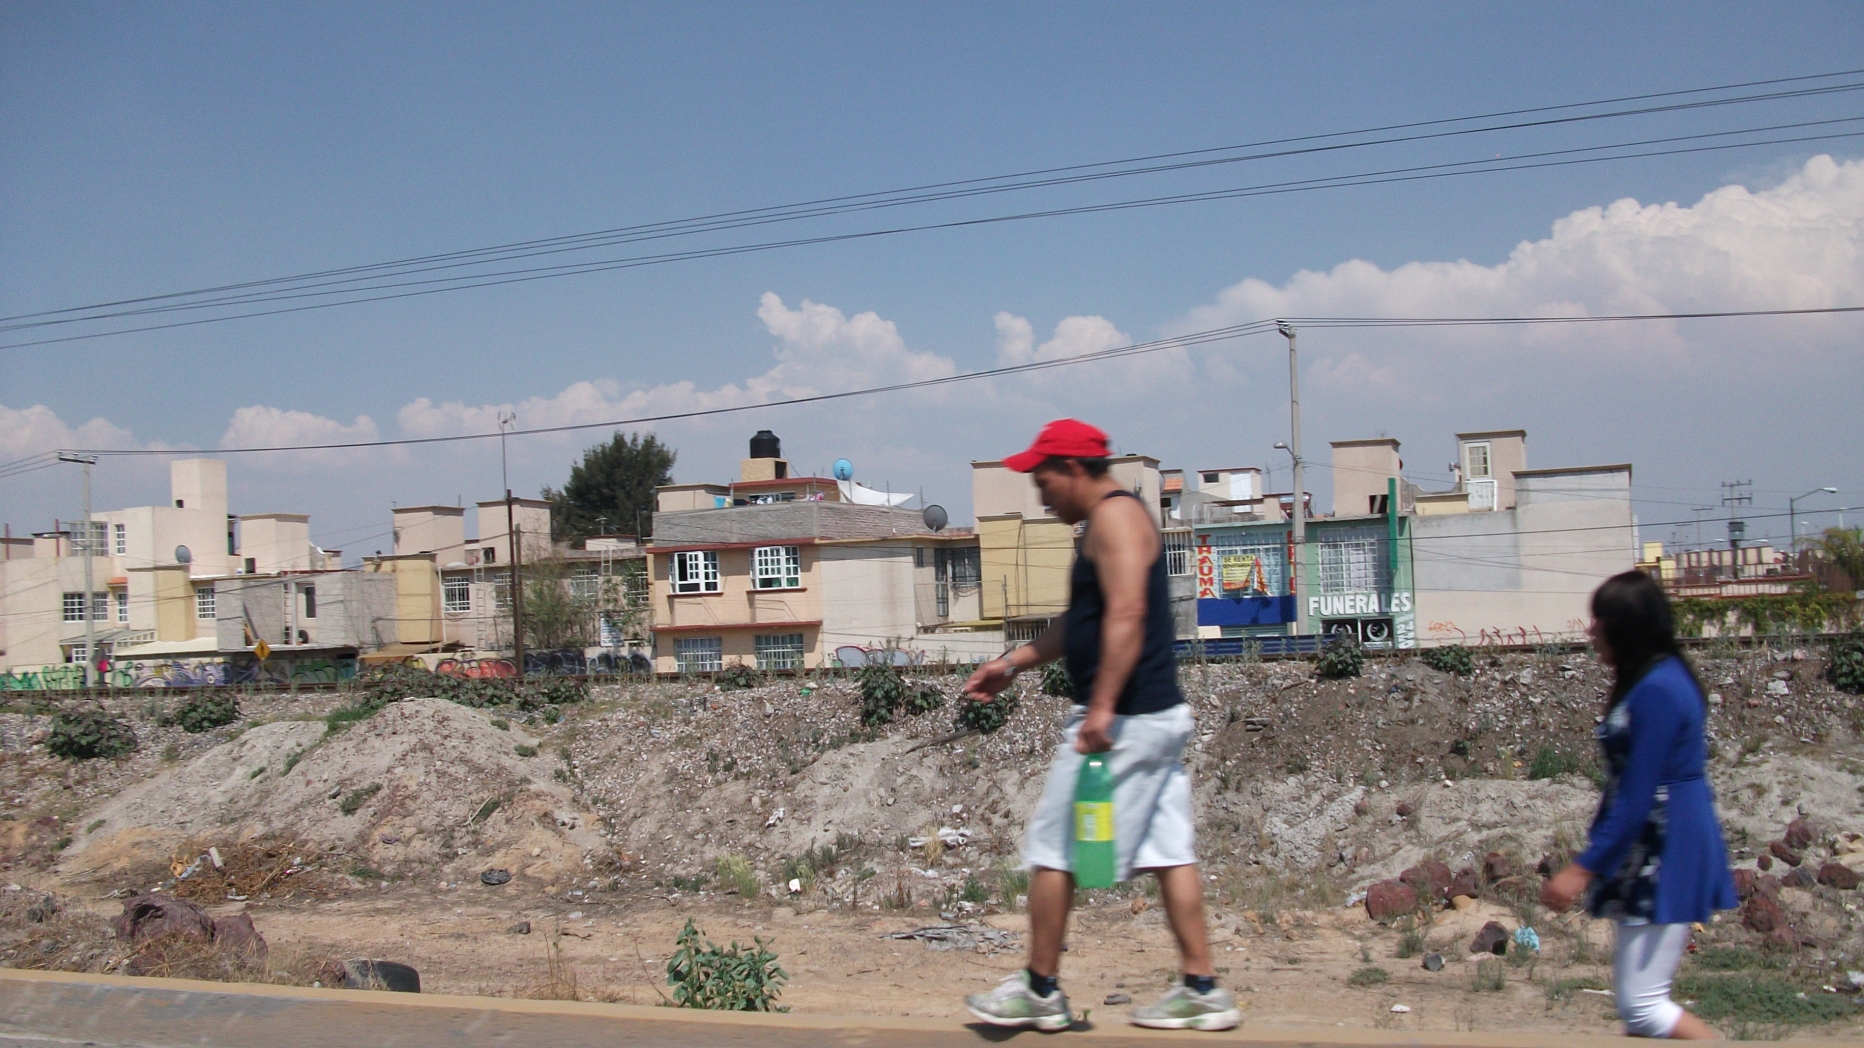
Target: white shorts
<point>1643,965</point>
<point>1151,795</point>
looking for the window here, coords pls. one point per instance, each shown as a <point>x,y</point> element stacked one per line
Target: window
<point>122,541</point>
<point>1177,552</point>
<point>699,654</point>
<point>489,554</point>
<point>1209,478</point>
<point>777,567</point>
<point>95,538</point>
<point>919,556</point>
<point>77,655</point>
<point>74,607</point>
<point>122,605</point>
<point>1269,569</point>
<point>1478,459</point>
<point>585,582</point>
<point>501,590</point>
<point>1352,563</point>
<point>966,570</point>
<point>696,571</point>
<point>1025,631</point>
<point>456,593</point>
<point>780,651</point>
<point>203,602</point>
<point>310,601</point>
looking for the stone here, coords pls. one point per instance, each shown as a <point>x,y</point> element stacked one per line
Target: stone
<point>1548,865</point>
<point>1767,884</point>
<point>1386,900</point>
<point>1430,879</point>
<point>520,928</point>
<point>1497,866</point>
<point>1464,883</point>
<point>1404,809</point>
<point>1765,862</point>
<point>1803,877</point>
<point>1744,883</point>
<point>42,909</point>
<point>1760,913</point>
<point>380,975</point>
<point>1433,962</point>
<point>153,916</point>
<point>1117,998</point>
<point>1838,875</point>
<point>1799,834</point>
<point>1786,853</point>
<point>1493,938</point>
<point>494,878</point>
<point>237,934</point>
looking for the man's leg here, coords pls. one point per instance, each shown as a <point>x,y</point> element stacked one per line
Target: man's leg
<point>1183,892</point>
<point>1051,895</point>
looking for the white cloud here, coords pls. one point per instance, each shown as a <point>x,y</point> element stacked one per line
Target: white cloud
<point>1074,336</point>
<point>30,431</point>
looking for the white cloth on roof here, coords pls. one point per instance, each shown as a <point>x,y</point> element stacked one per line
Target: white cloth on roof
<point>865,496</point>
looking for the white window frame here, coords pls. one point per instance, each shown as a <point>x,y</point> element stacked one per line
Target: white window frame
<point>77,654</point>
<point>777,567</point>
<point>1352,564</point>
<point>694,571</point>
<point>73,605</point>
<point>122,605</point>
<point>206,603</point>
<point>699,654</point>
<point>779,651</point>
<point>1177,551</point>
<point>501,590</point>
<point>456,594</point>
<point>586,582</point>
<point>1469,460</point>
<point>122,541</point>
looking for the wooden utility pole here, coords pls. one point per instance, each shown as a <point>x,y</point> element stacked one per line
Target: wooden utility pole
<point>517,584</point>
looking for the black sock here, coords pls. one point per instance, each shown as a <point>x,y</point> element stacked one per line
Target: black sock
<point>1042,985</point>
<point>1201,983</point>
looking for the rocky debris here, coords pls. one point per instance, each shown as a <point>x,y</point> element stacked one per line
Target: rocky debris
<point>1786,853</point>
<point>974,935</point>
<point>1838,875</point>
<point>1117,998</point>
<point>1464,884</point>
<point>1800,877</point>
<point>1765,862</point>
<point>1430,879</point>
<point>147,917</point>
<point>520,928</point>
<point>1497,866</point>
<point>1388,900</point>
<point>1744,883</point>
<point>1799,835</point>
<point>237,933</point>
<point>1763,913</point>
<point>372,975</point>
<point>1433,962</point>
<point>1493,938</point>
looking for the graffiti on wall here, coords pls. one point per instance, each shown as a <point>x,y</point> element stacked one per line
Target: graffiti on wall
<point>187,673</point>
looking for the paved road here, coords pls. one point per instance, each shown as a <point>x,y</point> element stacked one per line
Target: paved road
<point>47,1009</point>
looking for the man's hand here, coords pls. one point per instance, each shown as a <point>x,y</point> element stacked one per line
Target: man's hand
<point>989,679</point>
<point>1094,734</point>
<point>1563,888</point>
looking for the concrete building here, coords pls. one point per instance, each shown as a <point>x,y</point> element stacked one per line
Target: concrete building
<point>785,572</point>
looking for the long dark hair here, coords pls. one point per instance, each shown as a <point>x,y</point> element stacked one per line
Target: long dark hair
<point>1639,628</point>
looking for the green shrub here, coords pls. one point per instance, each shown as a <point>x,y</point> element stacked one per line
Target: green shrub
<point>1340,658</point>
<point>1450,658</point>
<point>737,677</point>
<point>202,711</point>
<point>987,717</point>
<point>974,890</point>
<point>82,733</point>
<point>356,798</point>
<point>1846,671</point>
<point>1368,977</point>
<point>1563,989</point>
<point>1551,763</point>
<point>735,873</point>
<point>1410,937</point>
<point>883,689</point>
<point>1763,999</point>
<point>1489,977</point>
<point>923,699</point>
<point>733,979</point>
<point>1056,682</point>
<point>524,751</point>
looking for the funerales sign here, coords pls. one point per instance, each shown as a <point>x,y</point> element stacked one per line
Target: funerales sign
<point>1354,605</point>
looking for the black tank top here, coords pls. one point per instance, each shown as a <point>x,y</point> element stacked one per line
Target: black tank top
<point>1154,683</point>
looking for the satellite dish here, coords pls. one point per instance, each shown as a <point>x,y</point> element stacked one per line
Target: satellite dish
<point>935,517</point>
<point>844,470</point>
<point>182,556</point>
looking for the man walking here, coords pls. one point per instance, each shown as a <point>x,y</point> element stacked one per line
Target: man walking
<point>1116,639</point>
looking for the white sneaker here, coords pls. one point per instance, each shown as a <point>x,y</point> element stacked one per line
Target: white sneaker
<point>1183,1008</point>
<point>1013,1003</point>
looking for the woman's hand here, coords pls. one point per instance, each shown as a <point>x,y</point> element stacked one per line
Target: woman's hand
<point>1564,888</point>
<point>989,679</point>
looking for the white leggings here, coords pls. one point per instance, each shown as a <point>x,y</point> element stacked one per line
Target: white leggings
<point>1643,965</point>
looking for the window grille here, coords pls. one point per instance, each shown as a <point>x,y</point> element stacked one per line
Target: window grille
<point>456,593</point>
<point>1271,559</point>
<point>585,582</point>
<point>122,605</point>
<point>777,567</point>
<point>74,607</point>
<point>696,572</point>
<point>779,651</point>
<point>699,654</point>
<point>1352,564</point>
<point>501,590</point>
<point>122,541</point>
<point>1177,551</point>
<point>204,602</point>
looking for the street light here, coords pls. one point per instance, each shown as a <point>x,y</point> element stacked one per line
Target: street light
<point>1792,513</point>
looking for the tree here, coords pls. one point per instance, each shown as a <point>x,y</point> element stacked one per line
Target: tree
<point>1843,548</point>
<point>614,482</point>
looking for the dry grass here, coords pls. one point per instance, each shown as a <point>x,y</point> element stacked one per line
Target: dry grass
<point>249,868</point>
<point>72,940</point>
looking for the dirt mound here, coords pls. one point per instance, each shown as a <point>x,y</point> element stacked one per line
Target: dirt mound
<point>423,785</point>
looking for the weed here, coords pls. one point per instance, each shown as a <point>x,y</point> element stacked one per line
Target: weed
<point>1340,659</point>
<point>1490,977</point>
<point>256,772</point>
<point>1734,959</point>
<point>736,874</point>
<point>923,699</point>
<point>561,774</point>
<point>1055,681</point>
<point>485,811</point>
<point>1564,989</point>
<point>356,798</point>
<point>524,751</point>
<point>734,978</point>
<point>1410,937</point>
<point>1368,976</point>
<point>1012,881</point>
<point>501,724</point>
<point>292,759</point>
<point>203,712</point>
<point>1296,765</point>
<point>171,753</point>
<point>1450,658</point>
<point>1846,670</point>
<point>974,890</point>
<point>737,677</point>
<point>882,691</point>
<point>987,717</point>
<point>1758,999</point>
<point>82,733</point>
<point>344,716</point>
<point>367,873</point>
<point>61,844</point>
<point>696,882</point>
<point>1550,763</point>
<point>94,826</point>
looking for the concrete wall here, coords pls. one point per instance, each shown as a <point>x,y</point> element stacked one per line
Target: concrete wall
<point>353,609</point>
<point>1361,469</point>
<point>1525,574</point>
<point>867,595</point>
<point>785,520</point>
<point>275,542</point>
<point>440,530</point>
<point>532,519</point>
<point>1024,566</point>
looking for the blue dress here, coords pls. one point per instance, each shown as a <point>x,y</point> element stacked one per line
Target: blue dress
<point>1656,846</point>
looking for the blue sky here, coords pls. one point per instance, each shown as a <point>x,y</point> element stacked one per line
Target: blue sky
<point>150,148</point>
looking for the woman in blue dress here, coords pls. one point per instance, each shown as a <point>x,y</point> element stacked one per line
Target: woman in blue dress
<point>1656,860</point>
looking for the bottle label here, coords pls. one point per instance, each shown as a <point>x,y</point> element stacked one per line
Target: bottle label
<point>1093,820</point>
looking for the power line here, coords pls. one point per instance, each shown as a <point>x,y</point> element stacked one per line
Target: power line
<point>1179,341</point>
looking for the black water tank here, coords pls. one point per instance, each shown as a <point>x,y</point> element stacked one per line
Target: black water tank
<point>766,445</point>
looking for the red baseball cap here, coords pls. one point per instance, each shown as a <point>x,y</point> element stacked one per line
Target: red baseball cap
<point>1062,438</point>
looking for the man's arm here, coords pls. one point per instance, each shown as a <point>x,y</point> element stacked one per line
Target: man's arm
<point>995,675</point>
<point>1122,543</point>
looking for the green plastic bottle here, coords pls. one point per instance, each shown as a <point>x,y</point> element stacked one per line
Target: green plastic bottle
<point>1094,855</point>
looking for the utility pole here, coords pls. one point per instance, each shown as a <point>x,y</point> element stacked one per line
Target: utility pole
<point>1792,517</point>
<point>90,540</point>
<point>1297,571</point>
<point>512,536</point>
